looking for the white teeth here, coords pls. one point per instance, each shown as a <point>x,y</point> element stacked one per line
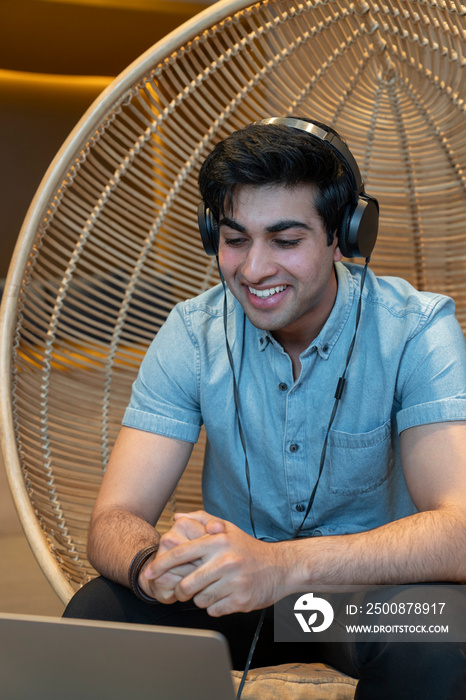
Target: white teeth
<point>264,293</point>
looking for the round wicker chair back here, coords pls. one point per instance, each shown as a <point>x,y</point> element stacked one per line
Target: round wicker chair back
<point>110,242</point>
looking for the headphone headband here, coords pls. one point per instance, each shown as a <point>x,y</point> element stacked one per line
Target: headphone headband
<point>359,227</point>
<point>329,137</point>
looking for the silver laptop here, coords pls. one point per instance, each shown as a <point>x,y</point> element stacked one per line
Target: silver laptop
<point>46,658</point>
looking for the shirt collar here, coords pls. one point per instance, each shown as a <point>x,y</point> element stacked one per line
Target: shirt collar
<point>333,328</point>
<point>263,339</point>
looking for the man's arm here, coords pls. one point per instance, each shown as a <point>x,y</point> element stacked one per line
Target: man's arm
<point>142,473</point>
<point>238,573</point>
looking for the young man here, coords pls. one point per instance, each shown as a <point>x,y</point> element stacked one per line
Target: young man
<point>387,470</point>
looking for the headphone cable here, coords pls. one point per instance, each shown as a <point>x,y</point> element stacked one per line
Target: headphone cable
<point>338,395</point>
<point>236,400</point>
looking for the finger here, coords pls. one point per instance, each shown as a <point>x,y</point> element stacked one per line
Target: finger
<point>184,529</point>
<point>178,572</point>
<point>213,525</point>
<point>164,593</point>
<point>224,598</point>
<point>210,580</point>
<point>217,600</point>
<point>223,606</point>
<point>185,553</point>
<point>163,588</point>
<point>203,587</point>
<point>227,606</point>
<point>199,515</point>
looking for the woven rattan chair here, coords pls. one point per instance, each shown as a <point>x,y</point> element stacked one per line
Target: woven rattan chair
<point>110,242</point>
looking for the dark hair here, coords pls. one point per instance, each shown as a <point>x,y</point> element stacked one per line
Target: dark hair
<point>275,154</point>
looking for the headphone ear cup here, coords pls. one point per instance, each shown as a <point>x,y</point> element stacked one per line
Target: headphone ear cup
<point>208,229</point>
<point>359,228</point>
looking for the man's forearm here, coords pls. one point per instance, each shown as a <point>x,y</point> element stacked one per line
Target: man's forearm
<point>115,536</point>
<point>427,546</point>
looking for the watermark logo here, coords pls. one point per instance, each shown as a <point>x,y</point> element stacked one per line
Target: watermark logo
<point>309,603</point>
<point>404,613</point>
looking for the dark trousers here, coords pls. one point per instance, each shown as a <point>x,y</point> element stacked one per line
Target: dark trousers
<point>386,671</point>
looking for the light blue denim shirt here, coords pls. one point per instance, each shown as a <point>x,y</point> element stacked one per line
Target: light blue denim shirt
<point>408,368</point>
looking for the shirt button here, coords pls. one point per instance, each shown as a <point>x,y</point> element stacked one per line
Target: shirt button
<point>325,348</point>
<point>294,448</point>
<point>282,386</point>
<point>300,508</point>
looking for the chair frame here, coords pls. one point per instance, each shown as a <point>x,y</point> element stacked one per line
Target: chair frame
<point>61,168</point>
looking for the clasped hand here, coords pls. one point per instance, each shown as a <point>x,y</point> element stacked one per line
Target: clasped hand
<point>214,563</point>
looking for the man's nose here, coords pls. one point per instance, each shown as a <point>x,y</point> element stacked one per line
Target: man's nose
<point>258,264</point>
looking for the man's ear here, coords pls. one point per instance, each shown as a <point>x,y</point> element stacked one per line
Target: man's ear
<point>337,254</point>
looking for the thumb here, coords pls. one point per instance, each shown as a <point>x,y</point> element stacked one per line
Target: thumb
<point>215,526</point>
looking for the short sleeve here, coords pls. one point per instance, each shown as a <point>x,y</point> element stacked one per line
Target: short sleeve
<point>431,385</point>
<point>165,395</point>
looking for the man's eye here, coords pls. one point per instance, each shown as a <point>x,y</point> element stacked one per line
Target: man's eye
<point>286,243</point>
<point>234,241</point>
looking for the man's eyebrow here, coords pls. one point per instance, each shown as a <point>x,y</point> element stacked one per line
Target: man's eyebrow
<point>285,224</point>
<point>276,227</point>
<point>231,223</point>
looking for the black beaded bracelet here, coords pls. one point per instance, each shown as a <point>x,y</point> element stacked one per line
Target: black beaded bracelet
<point>135,569</point>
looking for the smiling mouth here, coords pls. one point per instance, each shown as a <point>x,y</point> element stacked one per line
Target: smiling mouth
<point>265,293</point>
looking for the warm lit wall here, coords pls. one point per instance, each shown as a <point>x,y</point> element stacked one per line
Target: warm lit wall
<point>55,58</point>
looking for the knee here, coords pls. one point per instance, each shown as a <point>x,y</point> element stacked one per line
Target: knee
<point>420,657</point>
<point>100,599</point>
<point>414,670</point>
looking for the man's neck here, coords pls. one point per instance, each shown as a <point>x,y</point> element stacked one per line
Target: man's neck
<point>297,337</point>
<point>294,345</point>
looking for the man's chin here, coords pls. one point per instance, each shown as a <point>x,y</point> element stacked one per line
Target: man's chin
<point>262,324</point>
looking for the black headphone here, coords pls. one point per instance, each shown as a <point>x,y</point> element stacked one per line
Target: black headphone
<point>358,230</point>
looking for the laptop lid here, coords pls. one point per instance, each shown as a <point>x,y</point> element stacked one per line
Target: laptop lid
<point>48,658</point>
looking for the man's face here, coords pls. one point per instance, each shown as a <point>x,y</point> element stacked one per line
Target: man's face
<point>274,256</point>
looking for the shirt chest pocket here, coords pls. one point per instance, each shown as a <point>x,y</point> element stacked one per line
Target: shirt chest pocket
<point>359,463</point>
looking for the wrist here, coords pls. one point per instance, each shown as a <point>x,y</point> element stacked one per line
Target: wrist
<point>139,561</point>
<point>296,568</point>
